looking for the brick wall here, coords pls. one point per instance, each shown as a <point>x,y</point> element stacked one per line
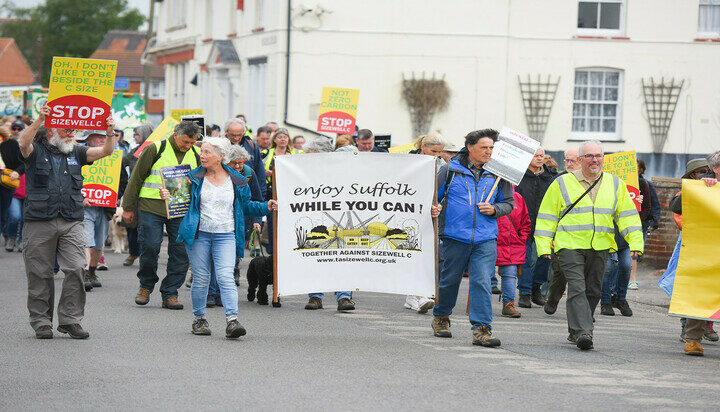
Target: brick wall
<point>660,243</point>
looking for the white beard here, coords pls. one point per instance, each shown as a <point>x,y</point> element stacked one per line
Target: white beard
<point>60,144</point>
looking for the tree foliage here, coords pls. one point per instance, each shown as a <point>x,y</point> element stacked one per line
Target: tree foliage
<point>72,28</point>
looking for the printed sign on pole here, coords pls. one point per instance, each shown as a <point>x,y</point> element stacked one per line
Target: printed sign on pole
<point>199,120</point>
<point>11,102</point>
<point>102,180</point>
<point>406,148</point>
<point>178,114</point>
<point>511,155</point>
<point>80,93</point>
<point>338,110</point>
<point>624,166</point>
<point>165,130</point>
<point>355,222</point>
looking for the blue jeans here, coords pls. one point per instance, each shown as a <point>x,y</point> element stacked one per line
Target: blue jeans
<point>150,236</point>
<point>617,276</point>
<point>534,271</point>
<point>509,279</point>
<point>479,258</point>
<point>6,197</point>
<point>338,295</point>
<point>216,249</point>
<point>15,219</point>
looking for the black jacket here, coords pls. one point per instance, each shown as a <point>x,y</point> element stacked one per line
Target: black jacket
<point>533,188</point>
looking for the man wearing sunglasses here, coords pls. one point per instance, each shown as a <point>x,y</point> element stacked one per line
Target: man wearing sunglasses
<point>13,169</point>
<point>578,215</point>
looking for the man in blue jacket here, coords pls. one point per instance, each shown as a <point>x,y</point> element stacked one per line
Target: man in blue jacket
<point>235,132</point>
<point>468,230</point>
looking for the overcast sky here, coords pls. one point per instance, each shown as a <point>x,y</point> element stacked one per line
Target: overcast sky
<point>142,5</point>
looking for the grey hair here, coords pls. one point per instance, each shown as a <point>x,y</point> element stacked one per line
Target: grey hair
<point>572,148</point>
<point>433,139</point>
<point>597,142</point>
<point>232,121</point>
<point>236,153</point>
<point>319,145</point>
<point>188,129</point>
<point>348,148</point>
<point>714,160</point>
<point>220,145</point>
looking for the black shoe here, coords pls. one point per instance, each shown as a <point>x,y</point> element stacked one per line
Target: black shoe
<point>201,327</point>
<point>234,330</point>
<point>607,309</point>
<point>74,330</point>
<point>44,332</point>
<point>624,307</point>
<point>572,338</point>
<point>537,297</point>
<point>210,301</point>
<point>277,304</point>
<point>87,283</point>
<point>495,290</point>
<point>550,307</point>
<point>525,301</point>
<point>585,342</point>
<point>94,281</point>
<point>236,276</point>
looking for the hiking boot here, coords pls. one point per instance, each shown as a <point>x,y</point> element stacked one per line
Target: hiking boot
<point>509,310</point>
<point>693,349</point>
<point>129,260</point>
<point>87,283</point>
<point>606,309</point>
<point>94,281</point>
<point>623,306</point>
<point>441,326</point>
<point>234,330</point>
<point>143,296</point>
<point>74,330</point>
<point>44,332</point>
<point>172,303</point>
<point>584,342</point>
<point>525,301</point>
<point>483,336</point>
<point>188,282</point>
<point>345,304</point>
<point>710,335</point>
<point>537,297</point>
<point>572,338</point>
<point>314,303</point>
<point>9,244</point>
<point>550,307</point>
<point>201,327</point>
<point>496,290</point>
<point>101,264</point>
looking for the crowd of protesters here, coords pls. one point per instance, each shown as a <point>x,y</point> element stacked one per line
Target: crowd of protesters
<point>577,228</point>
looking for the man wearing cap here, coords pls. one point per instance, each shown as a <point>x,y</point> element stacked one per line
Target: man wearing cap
<point>449,151</point>
<point>12,168</point>
<point>53,223</point>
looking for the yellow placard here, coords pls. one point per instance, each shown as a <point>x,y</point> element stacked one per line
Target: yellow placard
<point>165,130</point>
<point>338,110</point>
<point>102,180</point>
<point>80,93</point>
<point>406,148</point>
<point>178,114</point>
<point>696,292</point>
<point>624,166</point>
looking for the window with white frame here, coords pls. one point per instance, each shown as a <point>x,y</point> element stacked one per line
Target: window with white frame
<point>259,13</point>
<point>177,12</point>
<point>709,16</point>
<point>157,89</point>
<point>601,16</point>
<point>597,103</point>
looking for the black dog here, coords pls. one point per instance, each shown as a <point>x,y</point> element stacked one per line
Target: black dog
<point>259,276</point>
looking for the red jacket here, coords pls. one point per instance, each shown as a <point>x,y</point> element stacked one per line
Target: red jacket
<point>513,232</point>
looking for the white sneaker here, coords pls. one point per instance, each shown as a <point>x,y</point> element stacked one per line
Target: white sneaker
<point>425,304</point>
<point>412,302</point>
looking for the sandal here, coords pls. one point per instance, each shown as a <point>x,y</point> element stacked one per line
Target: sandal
<point>633,285</point>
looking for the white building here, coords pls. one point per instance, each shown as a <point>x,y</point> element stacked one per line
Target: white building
<point>231,56</point>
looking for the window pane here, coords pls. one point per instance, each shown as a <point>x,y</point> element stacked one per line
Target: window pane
<point>581,77</point>
<point>578,125</point>
<point>609,110</point>
<point>594,110</point>
<point>596,78</point>
<point>593,125</point>
<point>587,15</point>
<point>610,16</point>
<point>578,110</point>
<point>595,93</point>
<point>612,78</point>
<point>608,125</point>
<point>581,93</point>
<point>709,18</point>
<point>611,94</point>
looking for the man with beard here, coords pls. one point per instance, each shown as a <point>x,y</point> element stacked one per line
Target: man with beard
<point>54,223</point>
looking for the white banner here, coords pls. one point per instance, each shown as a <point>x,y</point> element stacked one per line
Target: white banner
<point>350,222</point>
<point>511,155</point>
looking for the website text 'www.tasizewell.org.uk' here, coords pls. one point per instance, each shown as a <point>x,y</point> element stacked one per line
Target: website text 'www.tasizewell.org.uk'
<point>373,256</point>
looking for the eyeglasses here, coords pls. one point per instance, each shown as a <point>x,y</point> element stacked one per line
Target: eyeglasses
<point>17,129</point>
<point>592,156</point>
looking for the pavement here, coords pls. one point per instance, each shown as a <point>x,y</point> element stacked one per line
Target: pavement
<point>381,356</point>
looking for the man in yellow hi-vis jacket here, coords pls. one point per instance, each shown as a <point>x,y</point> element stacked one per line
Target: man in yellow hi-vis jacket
<point>577,218</point>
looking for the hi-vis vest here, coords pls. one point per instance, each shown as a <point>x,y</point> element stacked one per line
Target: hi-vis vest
<point>271,155</point>
<point>588,225</point>
<point>167,158</point>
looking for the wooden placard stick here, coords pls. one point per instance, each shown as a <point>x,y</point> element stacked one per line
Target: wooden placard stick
<point>275,237</point>
<point>437,246</point>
